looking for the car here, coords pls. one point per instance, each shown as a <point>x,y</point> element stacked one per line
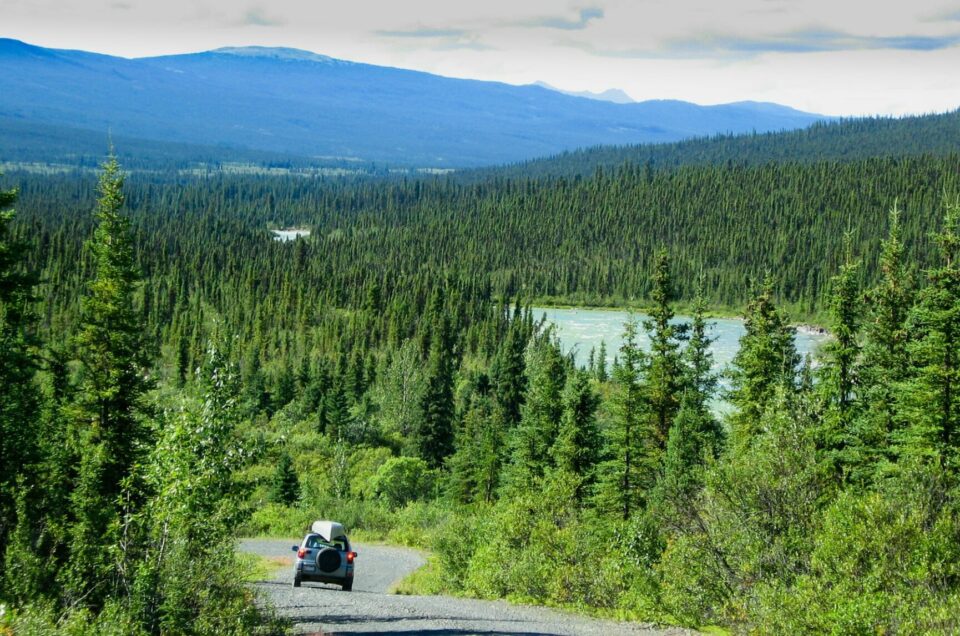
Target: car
<point>325,556</point>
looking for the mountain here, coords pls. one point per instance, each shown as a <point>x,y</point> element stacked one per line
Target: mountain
<point>843,140</point>
<point>303,104</point>
<point>614,95</point>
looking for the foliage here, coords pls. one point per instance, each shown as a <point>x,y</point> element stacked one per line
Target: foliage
<point>285,488</point>
<point>403,479</point>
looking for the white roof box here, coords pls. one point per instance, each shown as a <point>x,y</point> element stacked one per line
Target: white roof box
<point>329,530</point>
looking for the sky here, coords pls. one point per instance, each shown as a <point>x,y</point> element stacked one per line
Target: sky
<point>834,57</point>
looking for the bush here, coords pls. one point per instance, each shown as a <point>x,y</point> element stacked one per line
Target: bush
<point>882,564</point>
<point>403,479</point>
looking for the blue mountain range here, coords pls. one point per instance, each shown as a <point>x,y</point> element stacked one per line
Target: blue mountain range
<point>308,105</point>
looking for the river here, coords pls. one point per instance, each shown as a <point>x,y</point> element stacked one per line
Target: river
<point>581,330</point>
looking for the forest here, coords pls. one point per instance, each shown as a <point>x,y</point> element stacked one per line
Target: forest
<point>852,139</point>
<point>171,376</point>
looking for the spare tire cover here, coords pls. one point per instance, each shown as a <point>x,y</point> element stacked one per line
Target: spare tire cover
<point>328,560</point>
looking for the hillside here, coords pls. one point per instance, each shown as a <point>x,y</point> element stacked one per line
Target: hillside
<point>843,140</point>
<point>302,104</point>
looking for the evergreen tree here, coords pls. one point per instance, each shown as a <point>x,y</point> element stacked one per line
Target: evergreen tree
<point>624,476</point>
<point>838,381</point>
<point>111,435</point>
<point>19,445</point>
<point>434,435</point>
<point>931,398</point>
<point>885,363</point>
<point>665,372</point>
<point>694,439</point>
<point>335,413</point>
<point>285,486</point>
<point>508,374</point>
<point>530,442</point>
<point>700,382</point>
<point>601,372</point>
<point>765,363</point>
<point>576,449</point>
<point>285,387</point>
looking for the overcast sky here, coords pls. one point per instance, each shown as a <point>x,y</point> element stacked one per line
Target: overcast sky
<point>838,57</point>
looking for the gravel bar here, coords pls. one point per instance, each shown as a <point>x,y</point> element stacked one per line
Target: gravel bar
<point>369,609</point>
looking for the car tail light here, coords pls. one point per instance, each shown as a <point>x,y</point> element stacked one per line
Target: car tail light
<point>302,552</point>
<point>351,556</point>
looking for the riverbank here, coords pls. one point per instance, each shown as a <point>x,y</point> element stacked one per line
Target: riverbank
<point>805,322</point>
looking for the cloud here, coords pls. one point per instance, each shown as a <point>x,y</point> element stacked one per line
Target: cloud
<point>586,16</point>
<point>425,32</point>
<point>470,44</point>
<point>726,46</point>
<point>441,39</point>
<point>257,16</point>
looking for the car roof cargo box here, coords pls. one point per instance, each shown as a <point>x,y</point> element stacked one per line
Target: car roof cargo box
<point>329,530</point>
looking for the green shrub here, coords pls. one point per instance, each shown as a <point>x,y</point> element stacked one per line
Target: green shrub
<point>403,479</point>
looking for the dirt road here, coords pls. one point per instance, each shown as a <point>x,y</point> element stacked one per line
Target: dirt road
<point>370,609</point>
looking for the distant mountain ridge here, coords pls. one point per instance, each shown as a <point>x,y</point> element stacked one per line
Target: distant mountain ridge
<point>304,104</point>
<point>614,95</point>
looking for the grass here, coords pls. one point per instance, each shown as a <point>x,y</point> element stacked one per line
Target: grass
<point>261,568</point>
<point>427,580</point>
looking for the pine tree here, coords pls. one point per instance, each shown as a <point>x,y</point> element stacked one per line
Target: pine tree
<point>885,363</point>
<point>700,381</point>
<point>931,398</point>
<point>530,442</point>
<point>601,373</point>
<point>19,445</point>
<point>625,475</point>
<point>110,409</point>
<point>434,435</point>
<point>838,375</point>
<point>665,372</point>
<point>576,450</point>
<point>285,486</point>
<point>765,363</point>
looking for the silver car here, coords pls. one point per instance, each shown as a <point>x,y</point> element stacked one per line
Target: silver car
<point>325,556</point>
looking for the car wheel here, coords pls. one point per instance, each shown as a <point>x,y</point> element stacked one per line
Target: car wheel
<point>296,581</point>
<point>347,586</point>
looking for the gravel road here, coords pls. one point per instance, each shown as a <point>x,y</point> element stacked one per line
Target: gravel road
<point>370,609</point>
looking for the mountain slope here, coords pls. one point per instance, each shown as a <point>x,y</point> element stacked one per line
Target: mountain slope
<point>842,140</point>
<point>301,103</point>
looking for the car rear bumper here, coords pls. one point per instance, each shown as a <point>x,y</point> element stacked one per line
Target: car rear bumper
<point>313,574</point>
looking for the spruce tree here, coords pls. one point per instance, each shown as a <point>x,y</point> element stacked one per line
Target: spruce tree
<point>285,486</point>
<point>625,474</point>
<point>765,363</point>
<point>931,398</point>
<point>508,374</point>
<point>576,449</point>
<point>601,362</point>
<point>885,363</point>
<point>694,439</point>
<point>838,375</point>
<point>700,381</point>
<point>109,411</point>
<point>665,372</point>
<point>434,436</point>
<point>530,442</point>
<point>18,397</point>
